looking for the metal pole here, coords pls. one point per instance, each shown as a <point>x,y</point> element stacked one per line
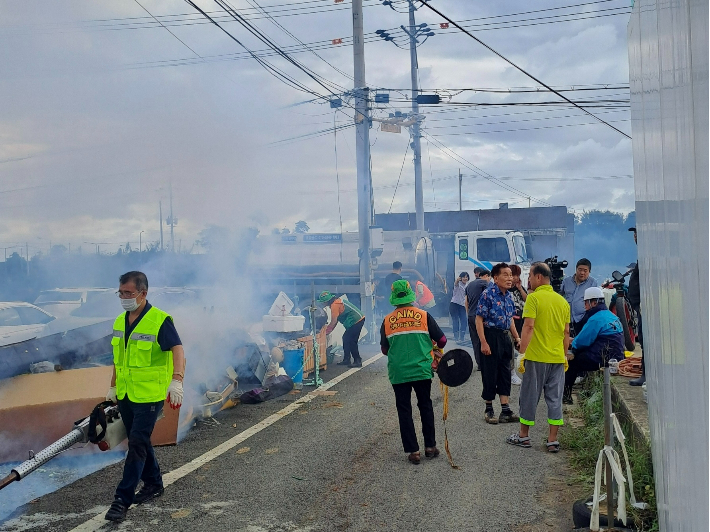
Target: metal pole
<point>172,224</point>
<point>460,179</point>
<point>416,141</point>
<point>140,241</point>
<point>160,207</point>
<point>27,256</point>
<point>608,441</point>
<point>362,149</point>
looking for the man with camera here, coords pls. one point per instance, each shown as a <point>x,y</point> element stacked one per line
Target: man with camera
<point>573,288</point>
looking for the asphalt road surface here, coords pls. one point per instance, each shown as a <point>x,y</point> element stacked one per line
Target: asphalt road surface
<point>332,463</point>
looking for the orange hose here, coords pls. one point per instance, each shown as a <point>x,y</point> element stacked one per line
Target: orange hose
<point>630,367</point>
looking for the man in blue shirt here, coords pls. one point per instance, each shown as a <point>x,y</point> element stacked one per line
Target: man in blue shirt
<point>573,288</point>
<point>599,340</point>
<point>494,325</point>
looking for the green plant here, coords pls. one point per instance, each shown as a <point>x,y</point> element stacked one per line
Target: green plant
<point>585,441</point>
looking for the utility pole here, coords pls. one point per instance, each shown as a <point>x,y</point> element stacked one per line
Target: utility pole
<point>160,207</point>
<point>27,256</point>
<point>416,141</point>
<point>460,181</point>
<point>362,149</point>
<point>171,221</point>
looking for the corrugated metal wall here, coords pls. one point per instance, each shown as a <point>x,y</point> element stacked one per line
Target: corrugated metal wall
<point>668,55</point>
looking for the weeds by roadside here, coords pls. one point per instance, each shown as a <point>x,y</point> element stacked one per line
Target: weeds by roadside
<point>584,443</point>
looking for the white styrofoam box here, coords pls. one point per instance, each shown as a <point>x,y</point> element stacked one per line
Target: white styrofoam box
<point>283,323</point>
<point>282,305</point>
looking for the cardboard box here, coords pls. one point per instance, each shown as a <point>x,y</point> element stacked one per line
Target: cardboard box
<point>36,410</point>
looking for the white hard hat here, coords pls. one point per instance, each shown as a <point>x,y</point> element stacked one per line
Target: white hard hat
<point>593,293</point>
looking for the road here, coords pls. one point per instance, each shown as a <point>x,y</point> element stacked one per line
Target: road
<point>333,462</point>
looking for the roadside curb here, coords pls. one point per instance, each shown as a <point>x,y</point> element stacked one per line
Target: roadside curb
<point>630,404</point>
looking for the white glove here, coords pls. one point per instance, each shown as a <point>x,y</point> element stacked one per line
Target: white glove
<point>111,395</point>
<point>175,394</point>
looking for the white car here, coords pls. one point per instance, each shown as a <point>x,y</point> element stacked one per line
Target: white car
<point>60,302</point>
<point>20,322</point>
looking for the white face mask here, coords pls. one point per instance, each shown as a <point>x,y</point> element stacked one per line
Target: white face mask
<point>129,304</point>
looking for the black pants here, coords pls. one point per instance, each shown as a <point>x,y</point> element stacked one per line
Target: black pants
<point>141,464</point>
<point>475,341</point>
<point>580,364</point>
<point>403,398</point>
<point>458,320</point>
<point>350,338</point>
<point>495,368</point>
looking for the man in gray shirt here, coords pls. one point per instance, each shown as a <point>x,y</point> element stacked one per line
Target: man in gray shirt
<point>573,289</point>
<point>474,289</point>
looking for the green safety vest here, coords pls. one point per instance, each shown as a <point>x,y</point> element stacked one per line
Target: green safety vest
<point>351,315</point>
<point>143,370</point>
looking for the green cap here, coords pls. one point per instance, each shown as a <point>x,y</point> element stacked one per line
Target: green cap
<point>326,296</point>
<point>402,293</point>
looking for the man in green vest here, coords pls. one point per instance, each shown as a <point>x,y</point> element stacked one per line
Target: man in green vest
<point>149,367</point>
<point>406,338</point>
<point>352,318</point>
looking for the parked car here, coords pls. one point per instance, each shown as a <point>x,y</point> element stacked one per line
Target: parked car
<point>61,302</point>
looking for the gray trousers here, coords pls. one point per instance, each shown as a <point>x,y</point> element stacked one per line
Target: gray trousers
<point>539,377</point>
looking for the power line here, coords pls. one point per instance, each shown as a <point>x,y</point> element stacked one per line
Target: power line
<point>404,159</point>
<point>424,2</point>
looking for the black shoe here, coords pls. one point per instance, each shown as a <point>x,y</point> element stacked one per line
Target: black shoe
<point>343,363</point>
<point>639,381</point>
<point>117,512</point>
<point>147,493</point>
<point>356,364</point>
<point>567,399</point>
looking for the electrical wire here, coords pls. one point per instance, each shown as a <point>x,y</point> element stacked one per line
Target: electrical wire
<point>425,3</point>
<point>404,159</point>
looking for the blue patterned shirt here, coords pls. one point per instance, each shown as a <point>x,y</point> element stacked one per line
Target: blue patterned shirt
<point>496,309</point>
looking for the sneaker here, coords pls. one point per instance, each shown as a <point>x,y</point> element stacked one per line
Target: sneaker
<point>356,364</point>
<point>508,418</point>
<point>147,493</point>
<point>343,363</point>
<point>517,381</point>
<point>117,512</point>
<point>490,417</point>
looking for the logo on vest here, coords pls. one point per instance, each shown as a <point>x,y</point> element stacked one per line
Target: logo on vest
<point>405,319</point>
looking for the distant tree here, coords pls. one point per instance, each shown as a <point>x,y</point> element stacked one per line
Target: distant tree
<point>285,231</point>
<point>127,248</point>
<point>301,227</point>
<point>57,250</point>
<point>276,231</point>
<point>212,237</point>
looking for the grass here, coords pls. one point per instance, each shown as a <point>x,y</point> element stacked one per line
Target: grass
<point>585,441</point>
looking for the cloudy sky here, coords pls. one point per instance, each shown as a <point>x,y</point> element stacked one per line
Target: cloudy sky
<point>103,108</point>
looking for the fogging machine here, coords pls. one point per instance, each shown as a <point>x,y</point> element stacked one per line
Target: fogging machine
<point>103,427</point>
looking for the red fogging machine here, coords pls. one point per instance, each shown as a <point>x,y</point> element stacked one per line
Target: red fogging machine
<point>103,427</point>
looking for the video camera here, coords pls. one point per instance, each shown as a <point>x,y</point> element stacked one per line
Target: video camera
<point>557,272</point>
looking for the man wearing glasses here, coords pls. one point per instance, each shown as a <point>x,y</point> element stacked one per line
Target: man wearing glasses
<point>149,367</point>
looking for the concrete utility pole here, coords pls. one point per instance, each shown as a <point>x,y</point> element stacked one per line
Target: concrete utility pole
<point>362,149</point>
<point>416,141</point>
<point>460,182</point>
<point>160,208</point>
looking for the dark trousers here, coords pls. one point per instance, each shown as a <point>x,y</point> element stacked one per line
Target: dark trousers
<point>141,464</point>
<point>495,368</point>
<point>403,398</point>
<point>350,338</point>
<point>475,341</point>
<point>458,320</point>
<point>577,366</point>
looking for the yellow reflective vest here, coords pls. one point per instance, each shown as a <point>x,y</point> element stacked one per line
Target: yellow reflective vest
<point>143,370</point>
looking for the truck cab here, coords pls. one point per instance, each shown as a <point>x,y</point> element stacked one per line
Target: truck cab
<point>487,248</point>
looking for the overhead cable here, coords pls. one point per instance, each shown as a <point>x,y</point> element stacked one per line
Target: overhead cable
<point>425,3</point>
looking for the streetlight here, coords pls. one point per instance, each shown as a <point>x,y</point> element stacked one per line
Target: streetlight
<point>140,241</point>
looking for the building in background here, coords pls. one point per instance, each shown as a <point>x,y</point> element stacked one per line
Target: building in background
<point>668,57</point>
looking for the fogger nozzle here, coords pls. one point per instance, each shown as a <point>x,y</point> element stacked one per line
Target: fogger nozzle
<point>12,477</point>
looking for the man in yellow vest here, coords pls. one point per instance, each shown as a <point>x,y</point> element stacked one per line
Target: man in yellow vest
<point>149,367</point>
<point>406,338</point>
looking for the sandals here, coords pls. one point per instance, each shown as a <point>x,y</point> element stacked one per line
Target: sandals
<point>553,446</point>
<point>515,439</point>
<point>415,458</point>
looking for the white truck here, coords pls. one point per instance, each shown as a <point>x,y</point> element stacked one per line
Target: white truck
<point>487,248</point>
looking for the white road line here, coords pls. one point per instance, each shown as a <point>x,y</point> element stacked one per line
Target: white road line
<point>95,523</point>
